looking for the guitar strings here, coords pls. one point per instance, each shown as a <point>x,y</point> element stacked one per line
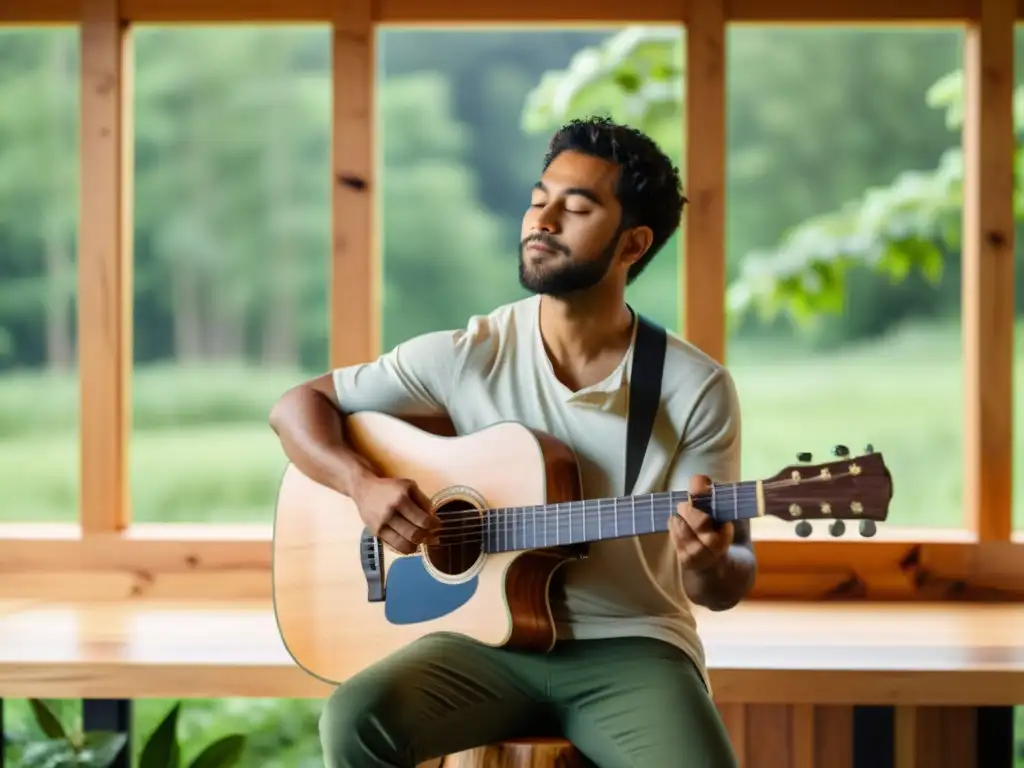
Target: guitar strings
<point>492,522</point>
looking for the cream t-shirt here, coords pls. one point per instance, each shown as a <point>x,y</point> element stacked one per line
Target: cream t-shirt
<point>496,369</point>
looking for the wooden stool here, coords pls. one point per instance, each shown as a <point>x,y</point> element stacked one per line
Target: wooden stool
<point>518,753</point>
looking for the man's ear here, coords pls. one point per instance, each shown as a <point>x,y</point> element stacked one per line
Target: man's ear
<point>634,243</point>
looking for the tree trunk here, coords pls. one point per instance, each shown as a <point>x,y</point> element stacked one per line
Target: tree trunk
<point>280,346</point>
<point>60,353</point>
<point>186,308</point>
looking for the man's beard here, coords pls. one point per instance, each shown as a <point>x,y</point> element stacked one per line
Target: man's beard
<point>563,276</point>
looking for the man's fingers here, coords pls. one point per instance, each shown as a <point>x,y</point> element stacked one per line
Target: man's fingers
<point>699,484</point>
<point>422,522</point>
<point>396,541</point>
<point>415,510</point>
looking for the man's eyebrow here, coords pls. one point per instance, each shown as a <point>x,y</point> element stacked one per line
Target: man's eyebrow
<point>581,191</point>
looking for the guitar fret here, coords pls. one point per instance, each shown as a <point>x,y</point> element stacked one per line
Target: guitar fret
<point>512,531</point>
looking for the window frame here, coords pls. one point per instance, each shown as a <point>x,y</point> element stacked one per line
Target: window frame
<point>983,561</point>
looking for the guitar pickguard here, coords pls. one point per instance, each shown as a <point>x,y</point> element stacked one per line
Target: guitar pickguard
<point>412,595</point>
<point>415,596</point>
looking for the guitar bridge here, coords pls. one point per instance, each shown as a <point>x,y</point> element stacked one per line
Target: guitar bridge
<point>371,557</point>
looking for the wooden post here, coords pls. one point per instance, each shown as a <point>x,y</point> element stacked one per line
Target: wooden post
<point>988,238</point>
<point>704,261</point>
<point>354,315</point>
<point>104,269</point>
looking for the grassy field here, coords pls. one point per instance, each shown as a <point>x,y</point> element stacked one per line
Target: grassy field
<point>201,449</point>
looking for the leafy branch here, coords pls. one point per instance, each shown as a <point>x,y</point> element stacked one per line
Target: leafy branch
<point>907,226</point>
<point>895,230</point>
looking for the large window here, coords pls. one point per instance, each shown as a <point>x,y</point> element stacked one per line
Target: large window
<point>232,249</point>
<point>38,232</point>
<point>840,141</point>
<point>254,257</point>
<point>839,149</point>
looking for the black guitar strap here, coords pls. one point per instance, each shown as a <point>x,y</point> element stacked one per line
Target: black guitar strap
<point>644,394</point>
<point>644,399</point>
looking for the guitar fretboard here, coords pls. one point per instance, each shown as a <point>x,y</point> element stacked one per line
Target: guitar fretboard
<point>575,522</point>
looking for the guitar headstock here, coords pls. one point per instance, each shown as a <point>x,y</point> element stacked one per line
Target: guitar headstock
<point>849,488</point>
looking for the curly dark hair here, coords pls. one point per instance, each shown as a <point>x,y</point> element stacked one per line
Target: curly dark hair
<point>649,188</point>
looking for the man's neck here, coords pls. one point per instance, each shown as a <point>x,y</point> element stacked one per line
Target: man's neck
<point>585,337</point>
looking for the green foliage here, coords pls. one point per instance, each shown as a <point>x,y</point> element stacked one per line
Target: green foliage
<point>906,387</point>
<point>62,748</point>
<point>432,225</point>
<point>911,225</point>
<point>162,750</point>
<point>635,76</point>
<point>907,227</point>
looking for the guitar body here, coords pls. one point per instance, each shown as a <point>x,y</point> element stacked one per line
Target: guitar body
<point>343,599</point>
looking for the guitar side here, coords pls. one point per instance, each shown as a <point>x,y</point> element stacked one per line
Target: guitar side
<point>343,599</point>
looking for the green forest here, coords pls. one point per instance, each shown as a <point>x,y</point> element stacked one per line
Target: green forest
<point>844,196</point>
<point>842,214</point>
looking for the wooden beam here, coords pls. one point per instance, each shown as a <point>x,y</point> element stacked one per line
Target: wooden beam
<point>530,12</point>
<point>41,12</point>
<point>155,561</point>
<point>215,11</point>
<point>988,250</point>
<point>890,570</point>
<point>704,260</point>
<point>104,268</point>
<point>848,11</point>
<point>233,562</point>
<point>355,315</point>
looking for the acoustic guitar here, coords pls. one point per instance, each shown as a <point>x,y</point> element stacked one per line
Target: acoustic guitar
<point>508,498</point>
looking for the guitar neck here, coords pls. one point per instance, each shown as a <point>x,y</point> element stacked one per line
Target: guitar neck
<point>575,522</point>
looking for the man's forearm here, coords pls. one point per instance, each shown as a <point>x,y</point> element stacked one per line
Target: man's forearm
<point>311,432</point>
<point>724,584</point>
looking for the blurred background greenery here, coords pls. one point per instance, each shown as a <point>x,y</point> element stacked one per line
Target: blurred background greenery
<point>842,234</point>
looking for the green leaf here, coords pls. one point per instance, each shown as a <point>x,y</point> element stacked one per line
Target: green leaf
<point>101,748</point>
<point>222,753</point>
<point>49,753</point>
<point>161,750</point>
<point>948,92</point>
<point>635,77</point>
<point>48,722</point>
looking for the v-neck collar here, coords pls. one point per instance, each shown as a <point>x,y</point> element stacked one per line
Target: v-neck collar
<point>609,385</point>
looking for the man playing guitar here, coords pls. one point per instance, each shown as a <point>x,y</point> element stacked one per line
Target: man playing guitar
<point>626,682</point>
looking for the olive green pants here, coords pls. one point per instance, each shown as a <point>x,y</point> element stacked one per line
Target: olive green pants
<point>623,703</point>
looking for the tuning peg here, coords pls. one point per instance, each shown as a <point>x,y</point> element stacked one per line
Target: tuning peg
<point>837,528</point>
<point>868,528</point>
<point>841,451</point>
<point>803,529</point>
<point>804,457</point>
<point>869,448</point>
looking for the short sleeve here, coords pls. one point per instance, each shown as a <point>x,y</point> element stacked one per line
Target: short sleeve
<point>710,444</point>
<point>413,379</point>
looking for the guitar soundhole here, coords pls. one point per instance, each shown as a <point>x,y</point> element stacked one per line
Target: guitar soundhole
<point>460,540</point>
